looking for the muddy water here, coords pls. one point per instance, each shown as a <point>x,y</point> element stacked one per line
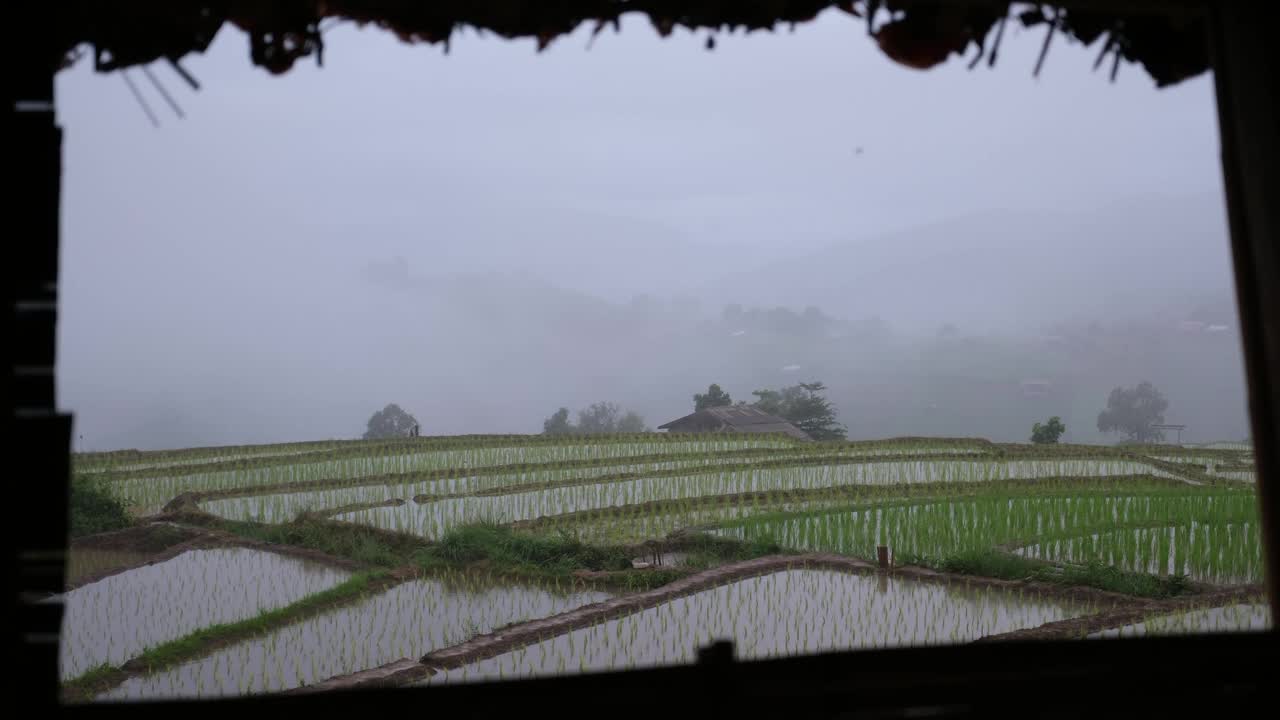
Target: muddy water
<point>116,618</point>
<point>1232,618</point>
<point>406,621</point>
<point>786,613</point>
<point>87,562</point>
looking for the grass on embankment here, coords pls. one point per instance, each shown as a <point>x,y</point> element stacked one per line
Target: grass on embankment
<point>496,548</point>
<point>993,563</point>
<point>554,556</point>
<point>205,640</point>
<point>362,544</point>
<point>95,509</point>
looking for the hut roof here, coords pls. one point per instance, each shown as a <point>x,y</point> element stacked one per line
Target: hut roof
<point>742,418</point>
<point>1166,37</point>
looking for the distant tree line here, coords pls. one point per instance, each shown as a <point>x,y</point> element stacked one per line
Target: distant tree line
<point>1130,411</point>
<point>596,419</point>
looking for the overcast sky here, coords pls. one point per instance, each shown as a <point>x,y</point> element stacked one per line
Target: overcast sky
<point>213,266</point>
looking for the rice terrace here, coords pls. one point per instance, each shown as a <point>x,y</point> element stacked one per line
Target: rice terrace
<point>433,560</point>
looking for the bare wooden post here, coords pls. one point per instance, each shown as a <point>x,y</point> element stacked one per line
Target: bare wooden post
<point>882,554</point>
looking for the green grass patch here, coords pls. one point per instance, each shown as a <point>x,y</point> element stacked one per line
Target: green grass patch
<point>559,554</point>
<point>993,563</point>
<point>643,580</point>
<point>362,544</point>
<point>502,549</point>
<point>1107,577</point>
<point>95,509</point>
<point>970,525</point>
<point>708,551</point>
<point>94,677</point>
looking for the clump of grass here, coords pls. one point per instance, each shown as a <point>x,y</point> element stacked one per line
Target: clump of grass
<point>649,579</point>
<point>993,563</point>
<point>503,549</point>
<point>706,551</point>
<point>1107,577</point>
<point>345,540</point>
<point>987,563</point>
<point>95,509</point>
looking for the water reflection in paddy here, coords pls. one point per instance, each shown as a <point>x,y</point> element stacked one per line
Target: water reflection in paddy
<point>786,613</point>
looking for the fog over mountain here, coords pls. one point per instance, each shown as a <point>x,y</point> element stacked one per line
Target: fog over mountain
<point>487,236</point>
<point>1012,269</point>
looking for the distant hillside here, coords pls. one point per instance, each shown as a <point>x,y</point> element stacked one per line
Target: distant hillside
<point>1009,269</point>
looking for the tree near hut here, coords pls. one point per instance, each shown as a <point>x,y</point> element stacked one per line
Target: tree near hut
<point>770,401</point>
<point>1048,433</point>
<point>804,406</point>
<point>713,397</point>
<point>607,417</point>
<point>1133,411</point>
<point>631,422</point>
<point>390,421</point>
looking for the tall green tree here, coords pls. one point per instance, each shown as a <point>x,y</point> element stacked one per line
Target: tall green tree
<point>804,406</point>
<point>813,413</point>
<point>558,423</point>
<point>1133,411</point>
<point>390,421</point>
<point>1048,433</point>
<point>770,401</point>
<point>713,397</point>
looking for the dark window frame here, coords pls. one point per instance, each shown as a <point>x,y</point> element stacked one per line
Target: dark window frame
<point>1179,676</point>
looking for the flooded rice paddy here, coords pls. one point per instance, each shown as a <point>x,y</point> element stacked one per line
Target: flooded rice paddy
<point>406,621</point>
<point>928,501</point>
<point>786,613</point>
<point>118,617</point>
<point>153,491</point>
<point>432,519</point>
<point>1244,617</point>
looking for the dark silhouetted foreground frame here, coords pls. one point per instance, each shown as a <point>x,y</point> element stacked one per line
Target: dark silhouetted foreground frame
<point>1208,676</point>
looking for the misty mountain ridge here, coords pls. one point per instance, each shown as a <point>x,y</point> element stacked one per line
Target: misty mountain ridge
<point>1015,269</point>
<point>612,257</point>
<point>497,347</point>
